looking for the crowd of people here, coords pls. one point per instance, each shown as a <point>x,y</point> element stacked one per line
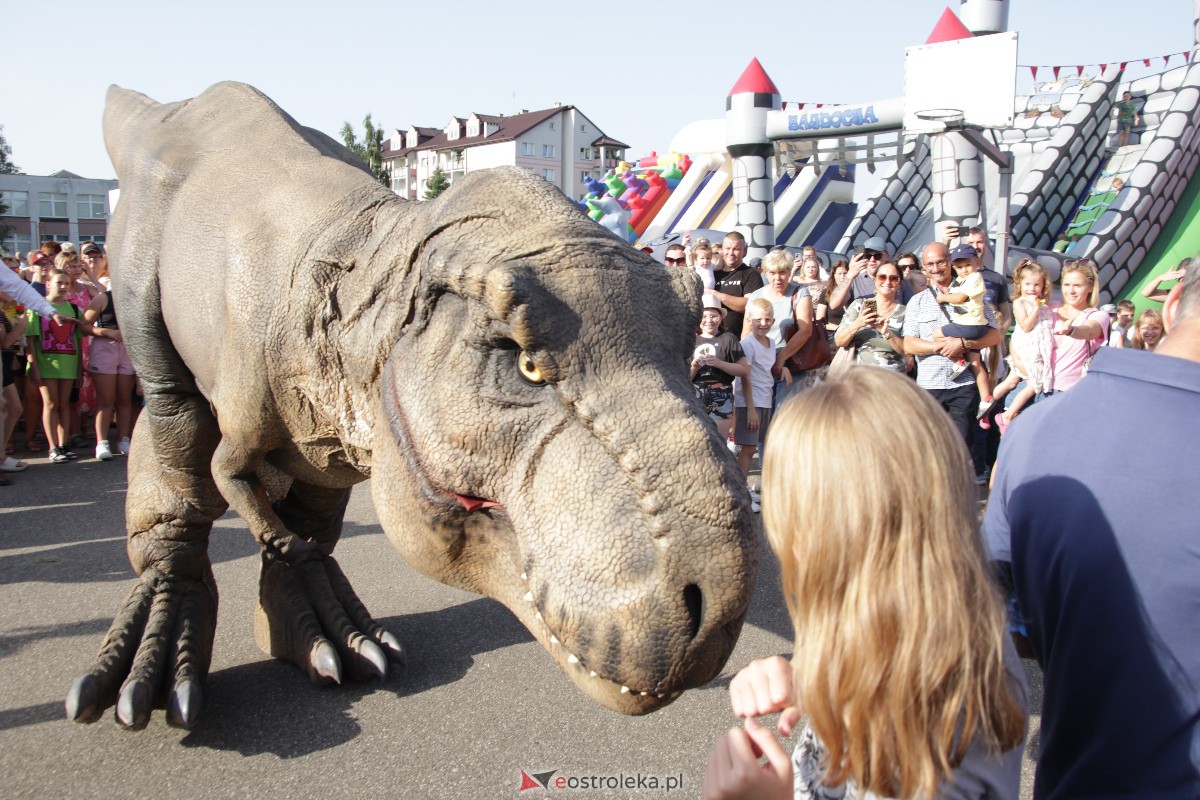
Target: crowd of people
<point>904,680</point>
<point>67,375</point>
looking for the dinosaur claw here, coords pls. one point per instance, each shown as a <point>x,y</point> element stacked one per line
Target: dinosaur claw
<point>183,706</point>
<point>391,645</point>
<point>134,706</point>
<point>324,664</point>
<point>83,700</point>
<point>372,657</point>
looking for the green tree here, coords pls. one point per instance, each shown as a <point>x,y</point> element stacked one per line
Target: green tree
<point>369,149</point>
<point>436,184</point>
<point>6,165</point>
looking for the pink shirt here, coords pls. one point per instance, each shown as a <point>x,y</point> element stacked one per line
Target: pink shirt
<point>1071,354</point>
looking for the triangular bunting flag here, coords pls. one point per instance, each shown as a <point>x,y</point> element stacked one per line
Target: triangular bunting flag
<point>1146,61</point>
<point>1123,65</point>
<point>1103,67</point>
<point>1033,72</point>
<point>1055,71</point>
<point>1166,60</point>
<point>1079,70</point>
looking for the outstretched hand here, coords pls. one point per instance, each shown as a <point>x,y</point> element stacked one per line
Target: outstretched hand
<point>733,771</point>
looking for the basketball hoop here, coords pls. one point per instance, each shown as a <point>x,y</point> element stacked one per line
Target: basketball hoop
<point>948,118</point>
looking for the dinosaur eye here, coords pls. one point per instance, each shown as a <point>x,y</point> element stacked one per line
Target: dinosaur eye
<point>528,369</point>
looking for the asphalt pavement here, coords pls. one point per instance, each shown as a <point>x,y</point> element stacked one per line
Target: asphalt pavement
<point>478,702</point>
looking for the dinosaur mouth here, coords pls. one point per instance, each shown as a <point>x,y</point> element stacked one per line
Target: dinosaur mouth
<point>575,668</point>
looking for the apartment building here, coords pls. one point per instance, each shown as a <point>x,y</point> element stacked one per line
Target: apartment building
<point>62,207</point>
<point>559,144</point>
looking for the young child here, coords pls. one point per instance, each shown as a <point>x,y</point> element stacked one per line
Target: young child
<point>702,263</point>
<point>54,363</point>
<point>1122,327</point>
<point>716,362</point>
<point>967,321</point>
<point>752,395</point>
<point>1032,343</point>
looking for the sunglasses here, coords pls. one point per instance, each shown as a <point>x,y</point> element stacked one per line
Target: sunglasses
<point>909,266</point>
<point>887,278</point>
<point>871,255</point>
<point>675,261</point>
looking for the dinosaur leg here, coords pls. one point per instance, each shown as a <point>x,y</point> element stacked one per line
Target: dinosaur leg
<point>157,651</point>
<point>308,613</point>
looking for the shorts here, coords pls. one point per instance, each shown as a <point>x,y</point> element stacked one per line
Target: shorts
<point>958,331</point>
<point>9,359</point>
<point>717,400</point>
<point>1124,125</point>
<point>743,435</point>
<point>110,358</point>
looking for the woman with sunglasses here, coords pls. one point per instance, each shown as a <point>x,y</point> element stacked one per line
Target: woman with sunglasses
<point>872,326</point>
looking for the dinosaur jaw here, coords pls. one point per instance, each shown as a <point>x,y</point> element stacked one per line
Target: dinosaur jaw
<point>520,599</point>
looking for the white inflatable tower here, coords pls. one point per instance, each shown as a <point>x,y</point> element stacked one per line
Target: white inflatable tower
<point>746,140</point>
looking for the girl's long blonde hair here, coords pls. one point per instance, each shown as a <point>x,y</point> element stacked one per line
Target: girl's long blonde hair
<point>1031,267</point>
<point>869,505</point>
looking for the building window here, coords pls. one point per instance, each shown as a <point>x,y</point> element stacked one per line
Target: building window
<point>52,204</point>
<point>552,126</point>
<point>548,174</point>
<point>90,206</point>
<point>17,203</point>
<point>98,238</point>
<point>583,176</point>
<point>18,244</point>
<point>583,127</point>
<point>547,151</point>
<point>526,148</point>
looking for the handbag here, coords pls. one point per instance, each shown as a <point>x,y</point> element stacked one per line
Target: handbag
<point>815,353</point>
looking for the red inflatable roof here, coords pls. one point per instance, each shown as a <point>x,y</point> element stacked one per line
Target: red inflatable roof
<point>754,79</point>
<point>948,28</point>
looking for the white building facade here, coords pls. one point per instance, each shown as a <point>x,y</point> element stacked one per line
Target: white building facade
<point>62,207</point>
<point>558,144</point>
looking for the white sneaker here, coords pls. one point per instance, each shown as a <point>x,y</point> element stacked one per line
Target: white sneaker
<point>755,506</point>
<point>103,450</point>
<point>123,446</point>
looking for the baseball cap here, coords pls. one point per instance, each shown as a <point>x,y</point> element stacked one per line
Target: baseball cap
<point>90,247</point>
<point>963,251</point>
<point>712,302</point>
<point>875,243</point>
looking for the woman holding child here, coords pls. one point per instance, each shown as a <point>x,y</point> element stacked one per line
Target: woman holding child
<point>886,698</point>
<point>1080,327</point>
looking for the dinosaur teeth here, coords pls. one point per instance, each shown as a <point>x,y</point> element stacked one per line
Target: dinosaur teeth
<point>538,616</point>
<point>553,639</point>
<point>528,598</point>
<point>592,674</point>
<point>572,659</point>
<point>624,690</point>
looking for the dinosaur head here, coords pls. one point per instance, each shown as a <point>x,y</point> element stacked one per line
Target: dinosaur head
<point>544,447</point>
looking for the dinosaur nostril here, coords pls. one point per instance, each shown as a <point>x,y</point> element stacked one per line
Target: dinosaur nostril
<point>693,601</point>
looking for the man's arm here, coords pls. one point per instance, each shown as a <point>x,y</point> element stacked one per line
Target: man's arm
<point>23,293</point>
<point>842,294</point>
<point>730,301</point>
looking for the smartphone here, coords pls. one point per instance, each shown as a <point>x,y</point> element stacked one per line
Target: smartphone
<point>868,306</point>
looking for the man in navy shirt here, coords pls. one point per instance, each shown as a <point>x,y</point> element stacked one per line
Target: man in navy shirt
<point>1105,566</point>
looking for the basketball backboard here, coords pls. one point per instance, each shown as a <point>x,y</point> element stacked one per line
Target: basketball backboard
<point>976,76</point>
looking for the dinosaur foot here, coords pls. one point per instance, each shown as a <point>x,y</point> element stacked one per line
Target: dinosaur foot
<point>308,614</point>
<point>156,654</point>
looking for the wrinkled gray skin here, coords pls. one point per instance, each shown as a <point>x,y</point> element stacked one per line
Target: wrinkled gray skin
<point>288,315</point>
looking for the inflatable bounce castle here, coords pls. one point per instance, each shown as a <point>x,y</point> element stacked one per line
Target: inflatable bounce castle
<point>1042,172</point>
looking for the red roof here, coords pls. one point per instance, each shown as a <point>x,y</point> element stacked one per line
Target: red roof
<point>949,27</point>
<point>754,79</point>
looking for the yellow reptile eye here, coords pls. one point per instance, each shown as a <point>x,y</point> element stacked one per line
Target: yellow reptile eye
<point>529,370</point>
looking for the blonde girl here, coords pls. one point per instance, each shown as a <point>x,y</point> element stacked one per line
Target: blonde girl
<point>1032,343</point>
<point>903,676</point>
<point>54,363</point>
<point>1148,332</point>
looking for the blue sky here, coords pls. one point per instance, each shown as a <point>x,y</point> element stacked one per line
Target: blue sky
<point>640,71</point>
